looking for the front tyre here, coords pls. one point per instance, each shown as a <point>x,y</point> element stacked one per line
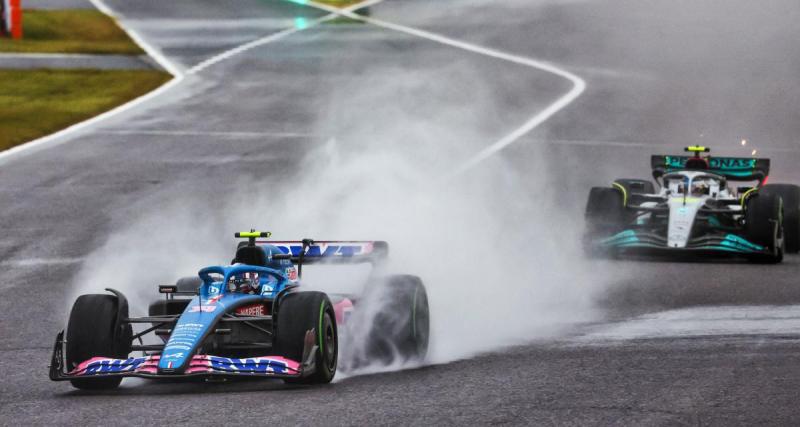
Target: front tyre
<point>605,212</point>
<point>298,313</point>
<point>91,333</point>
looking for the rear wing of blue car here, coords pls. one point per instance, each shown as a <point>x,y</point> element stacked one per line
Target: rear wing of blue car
<point>732,168</point>
<point>308,251</point>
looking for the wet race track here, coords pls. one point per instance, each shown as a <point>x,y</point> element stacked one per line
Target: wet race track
<point>453,91</point>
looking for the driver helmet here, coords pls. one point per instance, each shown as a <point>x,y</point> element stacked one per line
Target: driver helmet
<point>700,189</point>
<point>245,283</point>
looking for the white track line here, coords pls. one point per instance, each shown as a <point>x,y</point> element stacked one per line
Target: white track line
<point>59,137</point>
<point>578,84</point>
<point>171,67</point>
<point>253,44</point>
<point>277,36</point>
<point>99,5</point>
<point>151,50</point>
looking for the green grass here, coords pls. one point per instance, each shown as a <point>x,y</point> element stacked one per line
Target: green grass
<point>34,103</point>
<point>70,31</point>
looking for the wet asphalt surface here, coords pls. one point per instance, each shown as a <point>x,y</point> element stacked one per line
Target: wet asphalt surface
<point>102,62</point>
<point>660,75</point>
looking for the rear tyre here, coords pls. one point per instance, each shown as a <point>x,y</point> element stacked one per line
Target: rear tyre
<point>163,307</point>
<point>636,186</point>
<point>189,284</point>
<point>400,328</point>
<point>299,312</point>
<point>605,211</point>
<point>764,225</point>
<point>90,333</point>
<point>167,307</point>
<point>791,212</point>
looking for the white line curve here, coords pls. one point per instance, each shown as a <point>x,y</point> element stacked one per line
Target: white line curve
<point>578,84</point>
<point>178,74</point>
<point>276,36</point>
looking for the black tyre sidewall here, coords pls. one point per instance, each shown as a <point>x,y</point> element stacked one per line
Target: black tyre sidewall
<point>189,284</point>
<point>791,212</point>
<point>401,326</point>
<point>299,312</point>
<point>91,333</point>
<point>764,218</point>
<point>630,185</point>
<point>605,211</point>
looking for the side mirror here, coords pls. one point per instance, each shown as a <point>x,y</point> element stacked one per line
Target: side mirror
<point>167,289</point>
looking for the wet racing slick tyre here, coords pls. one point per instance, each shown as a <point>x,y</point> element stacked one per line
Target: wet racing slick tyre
<point>791,212</point>
<point>189,284</point>
<point>299,312</point>
<point>605,211</point>
<point>401,324</point>
<point>162,307</point>
<point>605,216</point>
<point>90,333</point>
<point>764,225</point>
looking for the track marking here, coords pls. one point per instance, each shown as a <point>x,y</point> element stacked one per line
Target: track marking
<point>578,84</point>
<point>178,74</point>
<point>702,322</point>
<point>99,5</point>
<point>253,44</point>
<point>59,137</point>
<point>171,67</point>
<point>277,36</point>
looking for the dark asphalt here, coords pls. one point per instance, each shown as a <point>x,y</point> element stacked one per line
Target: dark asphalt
<point>212,154</point>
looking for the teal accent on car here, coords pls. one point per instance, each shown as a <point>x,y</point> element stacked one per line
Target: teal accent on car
<point>624,238</point>
<point>739,241</point>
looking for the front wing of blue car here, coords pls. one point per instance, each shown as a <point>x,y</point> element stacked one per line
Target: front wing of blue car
<point>200,365</point>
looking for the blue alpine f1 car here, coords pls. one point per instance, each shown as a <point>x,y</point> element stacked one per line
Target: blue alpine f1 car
<point>696,210</point>
<point>251,318</point>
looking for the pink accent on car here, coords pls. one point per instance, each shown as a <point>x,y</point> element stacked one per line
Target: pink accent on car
<point>340,308</point>
<point>200,363</point>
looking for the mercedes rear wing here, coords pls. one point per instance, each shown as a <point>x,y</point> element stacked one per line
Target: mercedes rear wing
<point>732,168</point>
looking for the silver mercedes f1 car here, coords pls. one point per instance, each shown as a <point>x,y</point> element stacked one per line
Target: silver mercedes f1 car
<point>696,210</point>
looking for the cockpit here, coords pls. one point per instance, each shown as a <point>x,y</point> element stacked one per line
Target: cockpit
<point>694,184</point>
<point>245,283</point>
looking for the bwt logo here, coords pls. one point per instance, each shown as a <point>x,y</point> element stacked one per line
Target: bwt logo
<point>114,365</point>
<point>257,365</point>
<point>323,250</point>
